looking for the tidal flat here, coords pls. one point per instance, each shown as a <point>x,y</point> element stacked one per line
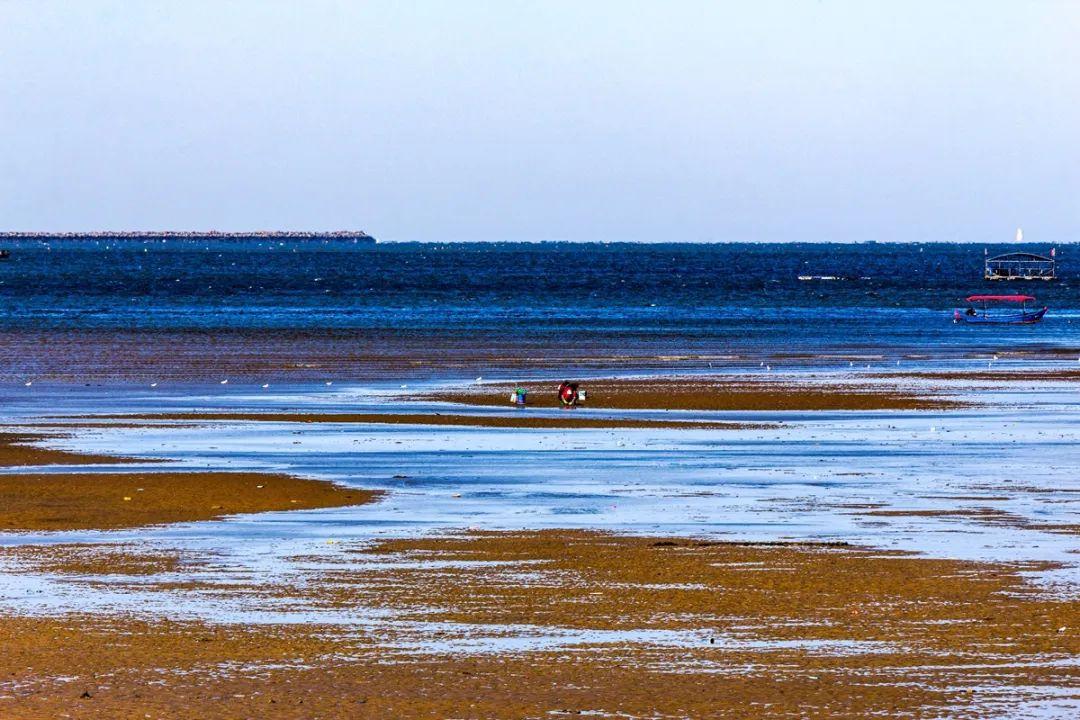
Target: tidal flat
<point>430,551</point>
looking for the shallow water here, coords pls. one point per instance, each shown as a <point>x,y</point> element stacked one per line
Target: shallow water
<point>813,477</point>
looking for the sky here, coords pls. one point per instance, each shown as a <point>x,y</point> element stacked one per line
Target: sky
<point>816,120</point>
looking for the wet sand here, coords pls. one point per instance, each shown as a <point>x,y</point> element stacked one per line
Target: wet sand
<point>274,355</point>
<point>523,421</point>
<point>106,501</point>
<point>95,559</point>
<point>271,355</point>
<point>18,449</point>
<point>997,376</point>
<point>776,589</point>
<point>771,630</point>
<point>180,670</point>
<point>706,393</point>
<point>985,515</point>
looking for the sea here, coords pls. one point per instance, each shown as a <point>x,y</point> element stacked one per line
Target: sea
<point>95,327</point>
<point>500,301</point>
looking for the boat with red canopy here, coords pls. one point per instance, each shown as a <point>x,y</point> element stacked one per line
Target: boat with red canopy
<point>999,310</point>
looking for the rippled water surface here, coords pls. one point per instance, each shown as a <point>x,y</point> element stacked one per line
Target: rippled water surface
<point>615,296</point>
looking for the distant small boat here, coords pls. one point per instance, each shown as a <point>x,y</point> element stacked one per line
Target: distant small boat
<point>808,278</point>
<point>998,310</point>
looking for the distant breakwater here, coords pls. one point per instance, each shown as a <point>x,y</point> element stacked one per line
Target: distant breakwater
<point>355,235</point>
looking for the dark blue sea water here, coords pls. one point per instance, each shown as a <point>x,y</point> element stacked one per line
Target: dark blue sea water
<point>611,298</point>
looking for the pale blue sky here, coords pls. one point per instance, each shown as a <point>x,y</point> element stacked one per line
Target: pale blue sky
<point>759,121</point>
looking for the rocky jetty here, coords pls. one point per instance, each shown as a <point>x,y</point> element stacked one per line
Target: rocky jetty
<point>355,235</point>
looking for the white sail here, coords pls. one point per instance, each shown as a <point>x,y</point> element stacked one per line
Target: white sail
<point>1019,235</point>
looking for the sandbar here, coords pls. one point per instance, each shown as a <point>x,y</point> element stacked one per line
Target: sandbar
<point>707,394</point>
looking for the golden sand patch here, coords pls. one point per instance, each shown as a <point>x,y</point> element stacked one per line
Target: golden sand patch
<point>102,501</point>
<point>105,501</point>
<point>17,449</point>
